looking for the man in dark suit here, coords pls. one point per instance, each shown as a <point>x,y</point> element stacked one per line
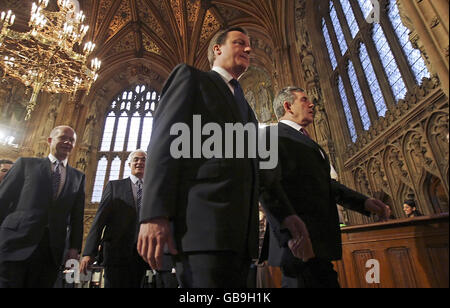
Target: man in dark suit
<point>205,210</point>
<point>40,199</point>
<point>304,171</point>
<point>5,165</point>
<point>117,220</point>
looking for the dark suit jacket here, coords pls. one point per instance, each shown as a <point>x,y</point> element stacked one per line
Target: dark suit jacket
<point>27,208</point>
<point>213,203</point>
<point>305,177</point>
<point>117,216</point>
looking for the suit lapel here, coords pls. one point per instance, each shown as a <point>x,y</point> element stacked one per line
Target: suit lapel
<point>129,193</point>
<point>231,103</point>
<point>297,136</point>
<point>46,170</point>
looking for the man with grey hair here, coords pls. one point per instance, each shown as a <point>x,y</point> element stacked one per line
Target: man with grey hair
<point>304,172</point>
<point>117,219</point>
<point>40,199</point>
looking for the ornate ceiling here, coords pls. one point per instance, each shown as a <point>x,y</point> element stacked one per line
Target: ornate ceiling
<point>159,34</point>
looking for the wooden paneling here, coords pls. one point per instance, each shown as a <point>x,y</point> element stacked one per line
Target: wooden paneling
<point>412,253</point>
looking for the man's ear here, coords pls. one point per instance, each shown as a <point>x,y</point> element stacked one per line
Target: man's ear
<point>217,50</point>
<point>287,107</point>
<point>49,140</point>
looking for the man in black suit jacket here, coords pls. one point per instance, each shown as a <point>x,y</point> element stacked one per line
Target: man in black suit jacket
<point>40,199</point>
<point>206,210</point>
<point>304,171</point>
<point>117,220</point>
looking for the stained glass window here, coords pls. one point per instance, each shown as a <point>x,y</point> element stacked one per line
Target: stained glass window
<point>389,63</point>
<point>350,16</point>
<point>366,7</point>
<point>128,127</point>
<point>358,96</point>
<point>329,44</point>
<point>338,29</point>
<point>413,55</point>
<point>372,80</point>
<point>347,111</point>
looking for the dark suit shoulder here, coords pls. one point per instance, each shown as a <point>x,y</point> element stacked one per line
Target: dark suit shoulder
<point>76,171</point>
<point>120,182</point>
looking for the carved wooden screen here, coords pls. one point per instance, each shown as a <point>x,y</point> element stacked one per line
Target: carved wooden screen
<point>128,127</point>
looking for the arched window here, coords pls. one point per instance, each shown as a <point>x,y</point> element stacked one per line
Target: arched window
<point>128,127</point>
<point>370,57</point>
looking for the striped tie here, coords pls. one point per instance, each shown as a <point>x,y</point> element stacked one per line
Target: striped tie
<point>139,195</point>
<point>56,180</point>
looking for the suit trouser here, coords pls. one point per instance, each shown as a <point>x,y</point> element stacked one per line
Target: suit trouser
<point>316,273</point>
<point>127,275</point>
<point>166,279</point>
<point>38,271</point>
<point>214,269</point>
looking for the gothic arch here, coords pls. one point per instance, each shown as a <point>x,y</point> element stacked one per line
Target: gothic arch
<point>437,130</point>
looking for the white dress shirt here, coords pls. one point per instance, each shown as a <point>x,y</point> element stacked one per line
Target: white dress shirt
<point>225,76</point>
<point>62,170</point>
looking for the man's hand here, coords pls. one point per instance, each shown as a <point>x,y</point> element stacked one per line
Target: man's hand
<point>377,207</point>
<point>300,244</point>
<point>86,263</point>
<point>153,237</point>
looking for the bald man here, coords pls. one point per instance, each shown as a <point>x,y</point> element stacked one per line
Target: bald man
<point>40,199</point>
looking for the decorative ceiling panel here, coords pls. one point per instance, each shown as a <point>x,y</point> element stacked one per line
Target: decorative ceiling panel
<point>121,18</point>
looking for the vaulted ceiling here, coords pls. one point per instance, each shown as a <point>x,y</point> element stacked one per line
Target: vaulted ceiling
<point>163,33</point>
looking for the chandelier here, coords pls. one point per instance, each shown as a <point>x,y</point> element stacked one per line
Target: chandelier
<point>49,57</point>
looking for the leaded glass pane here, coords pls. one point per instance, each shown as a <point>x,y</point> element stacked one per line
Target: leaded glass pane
<point>366,7</point>
<point>347,111</point>
<point>108,132</point>
<point>99,180</point>
<point>413,55</point>
<point>329,44</point>
<point>134,132</point>
<point>350,16</point>
<point>115,169</point>
<point>338,30</point>
<point>358,96</point>
<point>389,63</point>
<point>374,85</point>
<point>121,132</point>
<point>147,131</point>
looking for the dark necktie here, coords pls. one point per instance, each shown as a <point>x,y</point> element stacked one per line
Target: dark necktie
<point>139,195</point>
<point>304,132</point>
<point>240,99</point>
<point>56,180</point>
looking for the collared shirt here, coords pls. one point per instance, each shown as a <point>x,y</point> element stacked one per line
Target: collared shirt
<point>134,179</point>
<point>62,170</point>
<point>226,76</point>
<point>298,127</point>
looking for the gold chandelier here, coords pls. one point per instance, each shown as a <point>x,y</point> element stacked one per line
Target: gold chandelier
<point>49,56</point>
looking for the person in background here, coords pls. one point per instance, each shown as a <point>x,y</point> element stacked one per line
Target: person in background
<point>40,200</point>
<point>117,219</point>
<point>410,209</point>
<point>5,165</point>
